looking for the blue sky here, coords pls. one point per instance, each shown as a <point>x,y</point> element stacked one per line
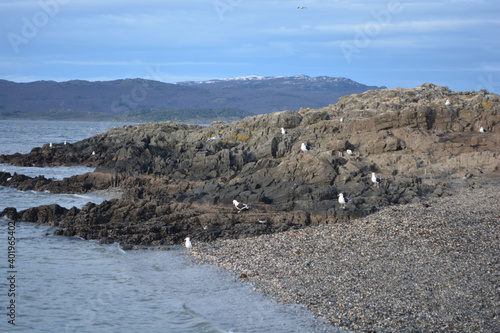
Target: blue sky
<point>396,43</point>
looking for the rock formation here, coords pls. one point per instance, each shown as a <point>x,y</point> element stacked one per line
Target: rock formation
<point>180,180</point>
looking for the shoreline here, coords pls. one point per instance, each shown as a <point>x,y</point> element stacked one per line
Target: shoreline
<point>431,266</point>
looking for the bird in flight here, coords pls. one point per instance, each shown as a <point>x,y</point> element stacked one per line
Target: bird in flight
<point>301,7</point>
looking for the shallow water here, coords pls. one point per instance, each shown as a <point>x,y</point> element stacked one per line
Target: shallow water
<point>20,136</point>
<point>57,173</point>
<point>10,197</point>
<point>73,285</point>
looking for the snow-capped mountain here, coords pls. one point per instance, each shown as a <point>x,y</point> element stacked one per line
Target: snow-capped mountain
<point>294,80</point>
<point>264,94</point>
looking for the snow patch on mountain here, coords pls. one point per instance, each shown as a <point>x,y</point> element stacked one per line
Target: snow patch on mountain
<point>295,79</point>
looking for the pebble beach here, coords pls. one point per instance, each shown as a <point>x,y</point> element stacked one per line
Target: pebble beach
<point>431,266</point>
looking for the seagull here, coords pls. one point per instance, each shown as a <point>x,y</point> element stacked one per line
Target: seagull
<point>343,200</point>
<point>65,142</point>
<point>262,221</point>
<point>301,7</point>
<point>482,130</point>
<point>303,147</point>
<point>93,153</point>
<point>188,243</point>
<point>50,145</point>
<point>342,119</point>
<point>375,179</point>
<point>240,206</point>
<point>448,103</point>
<point>284,131</point>
<point>214,138</point>
<point>349,152</point>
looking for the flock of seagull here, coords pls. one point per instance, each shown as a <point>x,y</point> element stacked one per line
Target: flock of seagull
<point>303,147</point>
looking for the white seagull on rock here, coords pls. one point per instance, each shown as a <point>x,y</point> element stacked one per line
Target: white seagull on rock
<point>349,152</point>
<point>284,131</point>
<point>375,179</point>
<point>448,103</point>
<point>240,206</point>
<point>217,137</point>
<point>482,130</point>
<point>303,147</point>
<point>343,200</point>
<point>188,243</point>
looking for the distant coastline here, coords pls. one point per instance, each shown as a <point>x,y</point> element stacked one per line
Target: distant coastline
<point>186,116</point>
<point>188,102</point>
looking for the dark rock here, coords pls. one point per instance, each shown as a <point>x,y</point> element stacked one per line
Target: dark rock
<point>10,213</point>
<point>180,180</point>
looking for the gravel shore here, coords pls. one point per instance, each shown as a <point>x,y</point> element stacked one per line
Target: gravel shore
<point>426,267</point>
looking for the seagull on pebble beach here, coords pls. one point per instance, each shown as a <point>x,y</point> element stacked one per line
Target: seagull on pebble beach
<point>240,206</point>
<point>448,103</point>
<point>349,152</point>
<point>50,145</point>
<point>375,179</point>
<point>343,200</point>
<point>284,131</point>
<point>303,147</point>
<point>188,243</point>
<point>482,130</point>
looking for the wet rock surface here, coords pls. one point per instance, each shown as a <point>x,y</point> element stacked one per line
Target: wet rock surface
<point>180,180</point>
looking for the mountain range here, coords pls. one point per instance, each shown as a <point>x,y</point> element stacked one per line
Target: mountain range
<point>191,101</point>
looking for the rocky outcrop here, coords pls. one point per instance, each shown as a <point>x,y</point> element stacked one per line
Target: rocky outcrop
<point>180,180</point>
<point>88,182</point>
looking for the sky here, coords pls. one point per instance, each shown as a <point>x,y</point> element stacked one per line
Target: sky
<point>393,43</point>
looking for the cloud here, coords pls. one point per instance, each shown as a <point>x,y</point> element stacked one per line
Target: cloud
<point>412,26</point>
<point>90,39</point>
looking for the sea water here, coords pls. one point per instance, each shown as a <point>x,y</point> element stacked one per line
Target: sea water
<point>58,284</point>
